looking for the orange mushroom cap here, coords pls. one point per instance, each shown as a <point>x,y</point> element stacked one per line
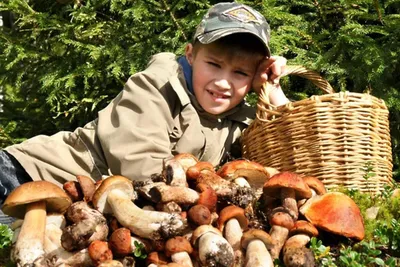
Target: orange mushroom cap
<point>335,212</point>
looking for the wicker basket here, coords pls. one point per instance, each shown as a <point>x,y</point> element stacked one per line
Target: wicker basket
<point>338,137</point>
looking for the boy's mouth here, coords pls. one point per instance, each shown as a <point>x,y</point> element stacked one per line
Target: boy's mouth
<point>216,95</point>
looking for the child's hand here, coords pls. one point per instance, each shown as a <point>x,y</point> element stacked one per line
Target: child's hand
<point>269,70</point>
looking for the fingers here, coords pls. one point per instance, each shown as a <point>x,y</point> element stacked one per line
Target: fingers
<point>269,69</point>
<point>276,66</point>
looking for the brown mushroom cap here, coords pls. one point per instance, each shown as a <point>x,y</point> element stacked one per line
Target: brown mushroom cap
<point>255,174</point>
<point>287,180</point>
<point>56,199</point>
<point>230,212</point>
<point>252,234</point>
<point>120,242</point>
<point>177,244</point>
<point>303,227</point>
<point>315,184</point>
<point>335,212</point>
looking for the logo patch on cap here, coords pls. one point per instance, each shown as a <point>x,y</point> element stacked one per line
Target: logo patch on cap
<point>242,14</point>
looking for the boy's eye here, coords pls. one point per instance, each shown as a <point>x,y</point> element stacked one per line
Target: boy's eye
<point>213,64</point>
<point>242,73</point>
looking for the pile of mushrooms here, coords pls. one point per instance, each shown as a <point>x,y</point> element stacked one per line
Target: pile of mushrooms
<point>190,215</point>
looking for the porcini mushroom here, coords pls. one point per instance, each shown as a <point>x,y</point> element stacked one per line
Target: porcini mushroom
<point>295,253</point>
<point>256,242</point>
<point>114,196</point>
<point>163,193</point>
<point>232,222</point>
<point>186,160</point>
<point>335,212</point>
<point>56,254</point>
<point>213,249</point>
<point>193,172</point>
<point>281,222</point>
<point>31,201</point>
<point>179,249</point>
<point>289,187</point>
<point>254,173</point>
<point>88,225</point>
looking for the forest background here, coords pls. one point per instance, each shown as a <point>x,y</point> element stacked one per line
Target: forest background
<point>62,61</point>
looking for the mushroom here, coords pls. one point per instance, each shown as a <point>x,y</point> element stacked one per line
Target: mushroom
<point>82,189</point>
<point>174,170</point>
<point>208,197</point>
<point>335,212</point>
<point>289,187</point>
<point>179,249</point>
<point>193,172</point>
<point>99,252</point>
<point>317,188</point>
<point>232,222</point>
<point>199,215</point>
<point>56,254</point>
<point>114,196</point>
<point>281,222</point>
<point>213,249</point>
<point>122,243</point>
<point>88,187</point>
<point>295,253</point>
<point>186,160</point>
<point>163,193</point>
<point>254,173</point>
<point>256,242</point>
<point>31,201</point>
<point>88,225</point>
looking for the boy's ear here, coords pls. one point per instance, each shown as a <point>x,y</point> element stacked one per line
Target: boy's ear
<point>189,53</point>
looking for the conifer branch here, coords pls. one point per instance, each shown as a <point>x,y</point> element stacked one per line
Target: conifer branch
<point>378,10</point>
<point>175,20</point>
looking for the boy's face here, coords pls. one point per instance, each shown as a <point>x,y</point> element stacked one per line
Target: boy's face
<point>220,80</point>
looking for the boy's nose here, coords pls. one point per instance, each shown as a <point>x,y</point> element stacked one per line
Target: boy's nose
<point>223,84</point>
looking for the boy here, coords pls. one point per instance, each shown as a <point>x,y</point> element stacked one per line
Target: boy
<point>192,104</point>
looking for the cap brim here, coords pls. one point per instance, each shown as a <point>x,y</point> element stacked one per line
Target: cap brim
<point>209,37</point>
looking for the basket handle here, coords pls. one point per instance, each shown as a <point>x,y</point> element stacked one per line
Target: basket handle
<point>301,71</point>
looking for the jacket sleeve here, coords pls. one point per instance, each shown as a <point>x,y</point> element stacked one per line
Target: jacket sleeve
<point>134,128</point>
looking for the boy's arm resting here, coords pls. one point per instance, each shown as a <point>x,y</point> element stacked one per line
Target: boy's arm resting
<point>134,128</point>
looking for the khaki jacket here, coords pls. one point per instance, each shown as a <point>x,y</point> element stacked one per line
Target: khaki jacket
<point>153,118</point>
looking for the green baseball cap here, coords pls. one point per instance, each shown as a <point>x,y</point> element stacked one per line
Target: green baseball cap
<point>224,19</point>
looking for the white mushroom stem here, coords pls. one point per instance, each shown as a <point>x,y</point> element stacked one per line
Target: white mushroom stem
<point>233,234</point>
<point>29,246</point>
<point>178,194</point>
<point>144,223</point>
<point>288,197</point>
<point>257,255</point>
<point>182,258</point>
<point>279,234</point>
<point>214,250</point>
<point>241,181</point>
